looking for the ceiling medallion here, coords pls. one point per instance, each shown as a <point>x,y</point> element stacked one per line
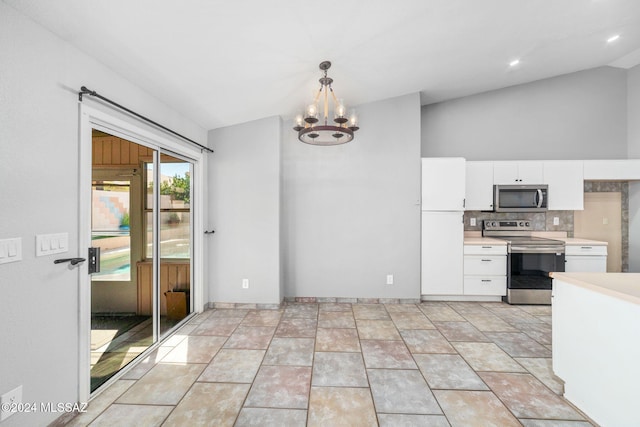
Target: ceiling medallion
<point>309,127</point>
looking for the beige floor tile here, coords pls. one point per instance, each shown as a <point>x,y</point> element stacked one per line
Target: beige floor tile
<point>280,387</point>
<point>251,337</point>
<point>401,392</point>
<point>426,341</point>
<point>195,349</point>
<point>489,323</point>
<point>474,409</point>
<point>260,417</point>
<point>339,370</point>
<point>146,363</point>
<point>336,319</point>
<point>517,344</point>
<point>411,420</point>
<point>129,415</point>
<point>542,369</point>
<point>164,384</point>
<point>100,403</point>
<point>304,310</point>
<point>341,406</point>
<point>229,312</point>
<point>335,306</point>
<point>233,366</point>
<point>554,423</point>
<point>387,354</point>
<point>411,320</point>
<point>262,318</point>
<point>440,312</point>
<point>448,371</point>
<point>487,357</point>
<point>370,311</point>
<point>402,308</point>
<point>527,397</point>
<point>377,330</point>
<point>290,351</point>
<point>337,340</point>
<point>297,327</point>
<point>540,331</point>
<point>219,326</point>
<point>461,331</point>
<point>209,404</point>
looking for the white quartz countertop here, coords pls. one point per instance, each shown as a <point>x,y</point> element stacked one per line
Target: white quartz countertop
<point>624,286</point>
<point>580,242</point>
<point>479,240</point>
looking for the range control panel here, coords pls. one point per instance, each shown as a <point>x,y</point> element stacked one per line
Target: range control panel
<point>507,225</point>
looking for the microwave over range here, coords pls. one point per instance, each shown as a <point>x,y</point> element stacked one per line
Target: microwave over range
<point>520,198</point>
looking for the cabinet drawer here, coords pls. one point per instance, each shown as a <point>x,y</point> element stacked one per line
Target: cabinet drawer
<point>491,265</point>
<point>485,249</point>
<point>485,285</point>
<point>586,263</point>
<point>586,250</point>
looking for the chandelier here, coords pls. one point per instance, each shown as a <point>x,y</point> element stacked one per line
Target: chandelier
<point>316,130</point>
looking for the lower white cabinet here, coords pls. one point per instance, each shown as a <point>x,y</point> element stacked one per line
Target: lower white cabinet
<point>442,244</point>
<point>485,270</point>
<point>585,258</point>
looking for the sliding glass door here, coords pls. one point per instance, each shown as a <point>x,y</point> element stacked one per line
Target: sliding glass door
<point>141,221</point>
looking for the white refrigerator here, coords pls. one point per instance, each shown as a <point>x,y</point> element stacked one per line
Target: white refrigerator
<point>443,192</point>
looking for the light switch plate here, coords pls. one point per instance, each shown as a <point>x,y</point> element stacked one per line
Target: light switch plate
<point>8,400</point>
<point>48,244</point>
<point>10,250</point>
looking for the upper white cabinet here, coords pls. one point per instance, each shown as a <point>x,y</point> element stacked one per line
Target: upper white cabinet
<point>479,187</point>
<point>443,183</point>
<point>520,172</point>
<point>621,170</point>
<point>565,180</point>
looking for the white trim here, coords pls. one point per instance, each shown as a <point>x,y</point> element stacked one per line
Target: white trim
<point>131,130</point>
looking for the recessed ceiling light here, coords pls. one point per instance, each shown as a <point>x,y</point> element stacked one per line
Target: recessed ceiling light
<point>514,63</point>
<point>613,38</point>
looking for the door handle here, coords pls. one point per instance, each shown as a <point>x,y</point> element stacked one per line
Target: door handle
<point>73,261</point>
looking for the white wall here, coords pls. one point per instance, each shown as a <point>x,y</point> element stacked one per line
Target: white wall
<point>633,133</point>
<point>39,75</point>
<point>244,210</point>
<point>575,116</point>
<point>351,212</point>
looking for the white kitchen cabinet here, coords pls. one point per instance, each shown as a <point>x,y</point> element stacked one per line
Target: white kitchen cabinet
<point>585,258</point>
<point>620,170</point>
<point>485,270</point>
<point>442,253</point>
<point>479,186</point>
<point>443,183</point>
<point>517,172</point>
<point>566,184</point>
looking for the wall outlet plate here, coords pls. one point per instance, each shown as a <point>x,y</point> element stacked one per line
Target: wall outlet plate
<point>389,279</point>
<point>245,283</point>
<point>9,399</point>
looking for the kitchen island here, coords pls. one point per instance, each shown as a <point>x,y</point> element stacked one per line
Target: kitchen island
<point>596,343</point>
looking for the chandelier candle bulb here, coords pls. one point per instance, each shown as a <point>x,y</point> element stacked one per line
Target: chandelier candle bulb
<point>325,133</point>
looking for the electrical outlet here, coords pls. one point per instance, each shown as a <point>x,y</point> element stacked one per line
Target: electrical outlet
<point>389,279</point>
<point>472,222</point>
<point>245,283</point>
<point>10,400</point>
<point>556,220</point>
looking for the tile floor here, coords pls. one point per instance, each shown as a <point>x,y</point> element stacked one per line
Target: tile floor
<point>332,364</point>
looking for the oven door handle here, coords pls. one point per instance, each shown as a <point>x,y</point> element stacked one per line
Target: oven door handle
<point>537,250</point>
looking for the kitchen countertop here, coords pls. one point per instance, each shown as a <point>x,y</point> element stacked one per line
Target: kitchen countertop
<point>625,286</point>
<point>479,240</point>
<point>578,241</point>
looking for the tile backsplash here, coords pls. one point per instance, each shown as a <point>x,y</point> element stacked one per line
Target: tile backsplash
<point>541,221</point>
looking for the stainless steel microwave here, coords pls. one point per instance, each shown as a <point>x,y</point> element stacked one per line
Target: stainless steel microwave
<point>520,198</point>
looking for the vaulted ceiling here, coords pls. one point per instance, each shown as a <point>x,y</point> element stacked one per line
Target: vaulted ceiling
<point>226,62</point>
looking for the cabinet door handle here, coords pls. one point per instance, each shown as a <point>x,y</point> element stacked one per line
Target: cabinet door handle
<point>486,260</point>
<point>487,247</point>
<point>486,280</point>
<point>586,247</point>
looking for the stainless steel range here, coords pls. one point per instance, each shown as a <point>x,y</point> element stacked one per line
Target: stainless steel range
<point>529,260</point>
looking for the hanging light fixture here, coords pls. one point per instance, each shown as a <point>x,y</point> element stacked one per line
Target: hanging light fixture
<point>313,126</point>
